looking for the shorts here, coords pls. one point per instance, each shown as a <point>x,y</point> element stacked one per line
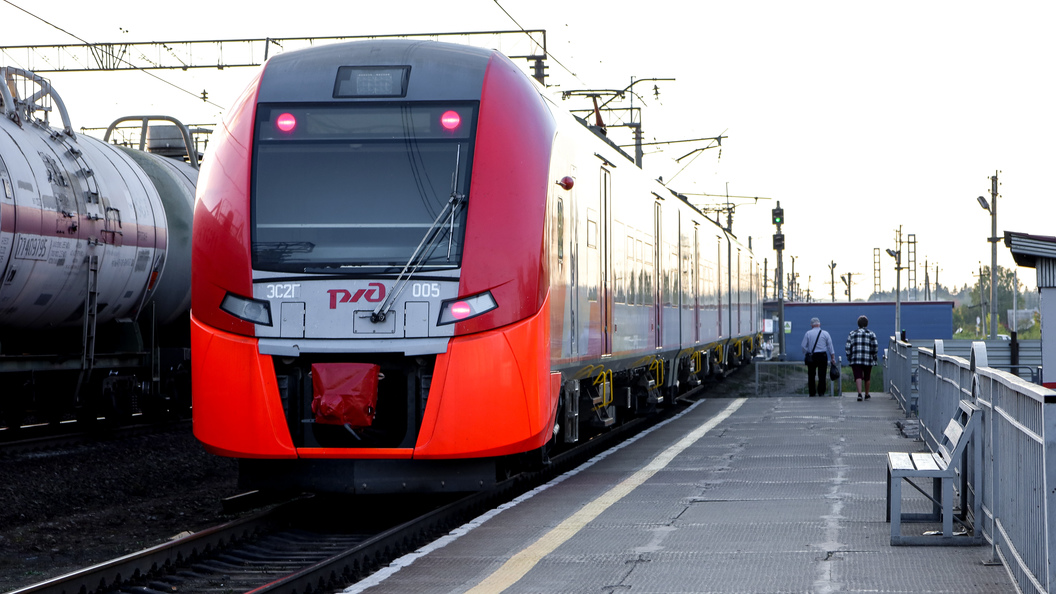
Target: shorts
<point>862,372</point>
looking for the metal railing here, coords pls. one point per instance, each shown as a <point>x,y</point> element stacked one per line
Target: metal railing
<point>1018,437</point>
<point>898,373</point>
<point>788,378</point>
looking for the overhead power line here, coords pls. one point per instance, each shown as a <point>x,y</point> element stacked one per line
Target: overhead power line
<point>227,53</point>
<point>117,58</point>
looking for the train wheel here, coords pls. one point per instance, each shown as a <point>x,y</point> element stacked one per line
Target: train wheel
<point>86,416</point>
<point>12,417</point>
<point>117,404</point>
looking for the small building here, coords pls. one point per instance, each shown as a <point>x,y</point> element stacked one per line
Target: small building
<point>1039,252</point>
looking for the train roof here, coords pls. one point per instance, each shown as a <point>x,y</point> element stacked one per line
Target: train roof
<point>437,71</point>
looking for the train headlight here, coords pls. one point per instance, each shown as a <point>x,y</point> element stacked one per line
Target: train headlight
<point>464,308</point>
<point>286,122</point>
<point>244,308</point>
<point>450,120</point>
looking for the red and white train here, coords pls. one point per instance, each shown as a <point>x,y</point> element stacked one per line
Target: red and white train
<point>411,268</point>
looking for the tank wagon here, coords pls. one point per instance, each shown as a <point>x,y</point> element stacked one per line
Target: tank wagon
<point>413,271</point>
<point>95,262</point>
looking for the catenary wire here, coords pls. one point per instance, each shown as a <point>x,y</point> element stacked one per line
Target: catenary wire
<point>50,24</point>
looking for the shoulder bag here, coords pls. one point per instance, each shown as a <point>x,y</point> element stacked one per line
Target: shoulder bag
<point>810,355</point>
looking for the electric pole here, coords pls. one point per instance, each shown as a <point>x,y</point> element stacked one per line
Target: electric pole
<point>848,280</point>
<point>832,280</point>
<point>778,215</point>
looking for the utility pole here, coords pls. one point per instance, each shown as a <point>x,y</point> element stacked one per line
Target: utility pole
<point>832,279</point>
<point>778,215</point>
<point>993,257</point>
<point>847,281</point>
<point>927,283</point>
<point>897,255</point>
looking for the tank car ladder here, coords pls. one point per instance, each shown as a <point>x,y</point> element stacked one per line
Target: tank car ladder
<point>91,307</point>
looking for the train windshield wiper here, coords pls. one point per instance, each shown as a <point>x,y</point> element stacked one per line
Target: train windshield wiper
<point>350,271</point>
<point>425,247</point>
<point>279,252</point>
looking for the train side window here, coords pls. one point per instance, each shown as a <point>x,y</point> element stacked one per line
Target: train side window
<point>632,281</point>
<point>618,278</point>
<point>560,230</point>
<point>647,282</point>
<point>592,230</point>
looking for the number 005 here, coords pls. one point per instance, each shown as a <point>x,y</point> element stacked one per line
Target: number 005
<point>425,290</point>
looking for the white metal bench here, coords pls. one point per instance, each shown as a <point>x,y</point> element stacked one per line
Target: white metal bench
<point>942,467</point>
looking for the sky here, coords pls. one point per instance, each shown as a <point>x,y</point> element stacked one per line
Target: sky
<point>859,118</point>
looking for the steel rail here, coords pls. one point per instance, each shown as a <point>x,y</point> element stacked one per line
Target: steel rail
<point>218,546</point>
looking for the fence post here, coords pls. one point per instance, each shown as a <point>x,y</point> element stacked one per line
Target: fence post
<point>1049,418</point>
<point>977,359</point>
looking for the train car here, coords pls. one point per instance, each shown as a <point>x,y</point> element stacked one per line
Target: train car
<point>95,245</point>
<point>413,272</point>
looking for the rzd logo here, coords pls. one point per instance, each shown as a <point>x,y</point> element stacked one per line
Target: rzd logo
<point>374,294</point>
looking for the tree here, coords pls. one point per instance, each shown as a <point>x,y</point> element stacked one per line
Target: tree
<point>976,301</point>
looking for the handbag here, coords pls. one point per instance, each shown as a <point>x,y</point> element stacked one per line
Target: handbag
<point>807,358</point>
<point>834,372</point>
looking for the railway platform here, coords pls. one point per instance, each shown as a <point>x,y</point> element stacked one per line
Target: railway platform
<point>736,495</point>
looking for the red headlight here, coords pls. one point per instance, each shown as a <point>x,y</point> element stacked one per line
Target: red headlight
<point>456,310</point>
<point>450,120</point>
<point>461,310</point>
<point>286,122</point>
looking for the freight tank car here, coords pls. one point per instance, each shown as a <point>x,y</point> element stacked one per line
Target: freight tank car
<point>94,266</point>
<point>413,271</point>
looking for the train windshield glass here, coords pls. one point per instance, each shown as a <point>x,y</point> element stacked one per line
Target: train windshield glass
<point>358,186</point>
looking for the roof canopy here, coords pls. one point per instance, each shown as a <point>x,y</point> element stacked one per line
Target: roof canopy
<point>1026,248</point>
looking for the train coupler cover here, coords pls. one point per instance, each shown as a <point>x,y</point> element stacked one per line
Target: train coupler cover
<point>345,393</point>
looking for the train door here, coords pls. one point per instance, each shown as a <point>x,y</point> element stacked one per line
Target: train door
<point>720,277</point>
<point>740,295</point>
<point>696,283</point>
<point>658,297</point>
<point>729,287</point>
<point>605,254</point>
<point>573,269</point>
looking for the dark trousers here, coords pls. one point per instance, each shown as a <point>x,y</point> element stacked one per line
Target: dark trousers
<point>819,365</point>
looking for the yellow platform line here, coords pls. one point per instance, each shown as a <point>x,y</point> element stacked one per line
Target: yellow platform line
<point>523,562</point>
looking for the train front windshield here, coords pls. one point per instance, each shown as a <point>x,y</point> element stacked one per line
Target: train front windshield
<point>357,187</point>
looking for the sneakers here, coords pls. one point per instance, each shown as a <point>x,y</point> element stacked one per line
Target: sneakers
<point>859,398</point>
<point>867,396</point>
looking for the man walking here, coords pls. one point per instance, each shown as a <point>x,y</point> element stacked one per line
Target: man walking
<point>861,350</point>
<point>817,352</point>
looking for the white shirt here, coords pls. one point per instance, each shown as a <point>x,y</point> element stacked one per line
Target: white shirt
<point>824,342</point>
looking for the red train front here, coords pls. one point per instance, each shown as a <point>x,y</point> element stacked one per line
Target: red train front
<point>373,258</point>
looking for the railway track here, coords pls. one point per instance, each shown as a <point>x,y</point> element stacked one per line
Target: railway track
<point>43,438</point>
<point>289,548</point>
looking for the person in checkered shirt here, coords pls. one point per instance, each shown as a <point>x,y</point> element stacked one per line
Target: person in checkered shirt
<point>861,351</point>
